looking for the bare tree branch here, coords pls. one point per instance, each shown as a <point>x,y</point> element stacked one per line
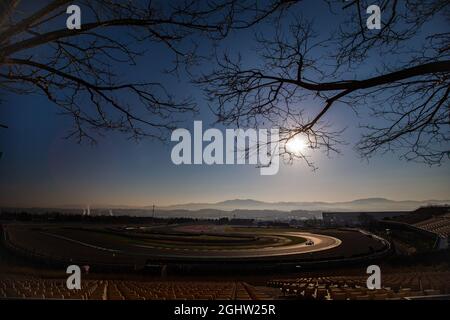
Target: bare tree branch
<point>408,100</point>
<point>78,71</point>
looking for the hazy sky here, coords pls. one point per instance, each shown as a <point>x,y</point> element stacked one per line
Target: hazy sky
<point>40,168</point>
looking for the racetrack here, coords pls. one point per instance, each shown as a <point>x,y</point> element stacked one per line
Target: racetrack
<point>127,246</point>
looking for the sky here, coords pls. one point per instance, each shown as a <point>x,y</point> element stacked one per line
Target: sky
<point>39,167</point>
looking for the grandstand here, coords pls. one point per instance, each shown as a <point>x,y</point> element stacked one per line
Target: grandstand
<point>439,225</point>
<point>336,287</point>
<point>394,286</point>
<point>14,288</point>
<point>434,220</point>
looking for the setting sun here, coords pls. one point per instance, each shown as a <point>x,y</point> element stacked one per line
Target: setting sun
<point>296,145</point>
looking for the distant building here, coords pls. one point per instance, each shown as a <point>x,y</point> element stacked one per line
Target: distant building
<point>357,218</point>
<point>242,222</point>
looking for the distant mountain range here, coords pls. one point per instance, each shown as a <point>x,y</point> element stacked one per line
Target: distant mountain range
<point>242,208</point>
<point>369,204</point>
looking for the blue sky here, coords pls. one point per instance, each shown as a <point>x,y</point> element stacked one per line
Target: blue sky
<point>41,168</point>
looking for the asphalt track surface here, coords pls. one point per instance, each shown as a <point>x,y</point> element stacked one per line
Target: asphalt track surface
<point>79,245</point>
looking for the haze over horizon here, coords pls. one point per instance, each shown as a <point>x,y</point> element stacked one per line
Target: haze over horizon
<point>41,168</point>
<point>368,204</point>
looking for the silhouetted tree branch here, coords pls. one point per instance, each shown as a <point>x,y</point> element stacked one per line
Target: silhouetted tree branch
<point>299,77</point>
<point>78,69</point>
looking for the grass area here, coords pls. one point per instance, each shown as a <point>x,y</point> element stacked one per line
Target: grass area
<point>295,240</point>
<point>259,238</point>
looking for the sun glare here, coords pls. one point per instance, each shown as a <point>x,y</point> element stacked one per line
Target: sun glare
<point>296,145</point>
